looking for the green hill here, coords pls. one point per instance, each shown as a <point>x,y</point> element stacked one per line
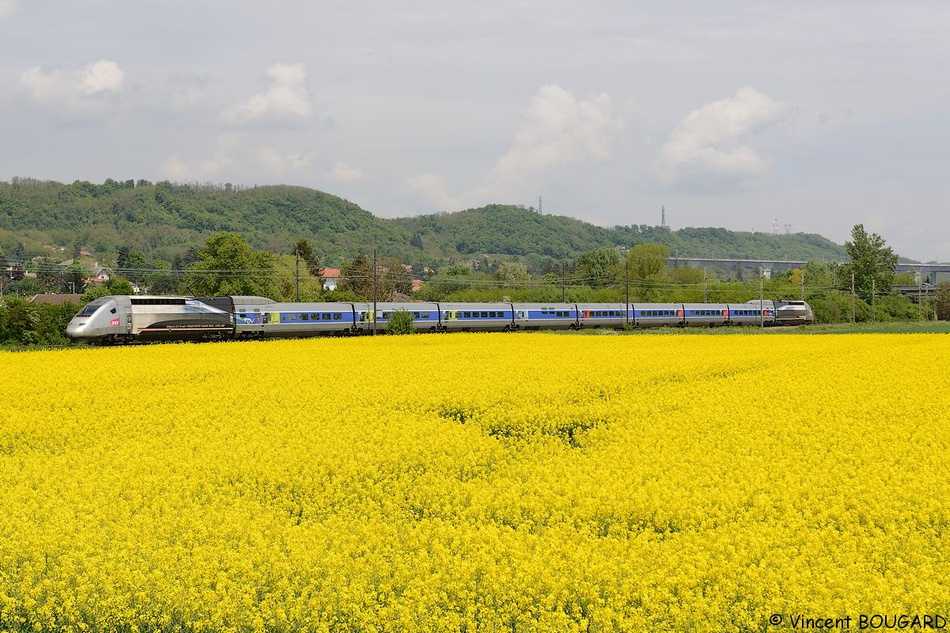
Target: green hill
<point>164,220</point>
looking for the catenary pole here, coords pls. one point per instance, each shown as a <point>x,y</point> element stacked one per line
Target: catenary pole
<point>374,292</point>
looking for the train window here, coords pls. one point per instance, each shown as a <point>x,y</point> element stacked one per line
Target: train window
<point>466,315</point>
<point>484,315</point>
<point>305,317</point>
<point>337,316</point>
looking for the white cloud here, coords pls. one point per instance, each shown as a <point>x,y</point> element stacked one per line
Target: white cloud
<point>185,90</point>
<point>711,143</point>
<point>87,91</point>
<point>235,154</point>
<point>69,88</point>
<point>275,162</point>
<point>343,172</point>
<point>431,188</point>
<point>286,99</point>
<point>102,76</point>
<point>558,129</point>
<point>8,8</point>
<point>175,169</point>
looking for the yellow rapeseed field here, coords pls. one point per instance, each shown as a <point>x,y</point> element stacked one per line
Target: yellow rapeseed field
<point>476,482</point>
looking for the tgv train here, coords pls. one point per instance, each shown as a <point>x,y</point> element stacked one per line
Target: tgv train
<point>126,319</point>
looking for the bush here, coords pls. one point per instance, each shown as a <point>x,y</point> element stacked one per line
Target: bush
<point>835,307</point>
<point>401,323</point>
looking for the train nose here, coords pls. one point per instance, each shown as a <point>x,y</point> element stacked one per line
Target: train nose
<point>76,330</point>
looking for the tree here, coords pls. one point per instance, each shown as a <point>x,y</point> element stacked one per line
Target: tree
<point>18,322</point>
<point>942,301</point>
<point>400,323</point>
<point>49,273</point>
<point>227,265</point>
<point>597,268</point>
<point>132,264</point>
<point>357,276</point>
<point>391,277</point>
<point>72,280</point>
<point>304,250</point>
<point>512,273</point>
<point>872,263</point>
<point>394,278</point>
<point>647,261</point>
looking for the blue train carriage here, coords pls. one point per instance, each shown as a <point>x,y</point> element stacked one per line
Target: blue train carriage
<point>481,317</point>
<point>706,314</point>
<point>659,314</point>
<point>612,315</point>
<point>425,316</point>
<point>545,316</point>
<point>249,315</point>
<point>751,313</point>
<point>292,319</point>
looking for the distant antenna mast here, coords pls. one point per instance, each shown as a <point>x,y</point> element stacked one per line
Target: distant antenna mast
<point>663,218</point>
<point>539,204</point>
<point>775,226</point>
<point>788,229</point>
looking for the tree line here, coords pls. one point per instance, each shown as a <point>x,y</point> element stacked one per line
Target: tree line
<point>858,290</point>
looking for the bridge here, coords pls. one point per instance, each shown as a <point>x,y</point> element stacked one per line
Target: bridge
<point>928,272</point>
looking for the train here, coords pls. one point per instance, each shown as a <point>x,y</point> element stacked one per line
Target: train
<point>141,318</point>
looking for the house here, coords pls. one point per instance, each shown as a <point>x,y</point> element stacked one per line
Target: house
<point>56,299</point>
<point>330,278</point>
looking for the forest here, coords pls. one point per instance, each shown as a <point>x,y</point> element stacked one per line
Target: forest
<point>164,220</point>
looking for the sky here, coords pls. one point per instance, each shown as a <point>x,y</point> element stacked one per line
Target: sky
<point>785,116</point>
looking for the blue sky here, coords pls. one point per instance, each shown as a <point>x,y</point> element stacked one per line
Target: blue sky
<point>735,114</point>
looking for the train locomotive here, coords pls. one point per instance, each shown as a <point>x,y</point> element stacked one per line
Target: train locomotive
<point>129,319</point>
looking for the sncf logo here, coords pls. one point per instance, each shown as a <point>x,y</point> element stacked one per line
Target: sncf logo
<point>114,322</point>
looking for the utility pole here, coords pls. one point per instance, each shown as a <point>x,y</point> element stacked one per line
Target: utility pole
<point>563,281</point>
<point>627,285</point>
<point>920,279</point>
<point>705,298</point>
<point>297,275</point>
<point>803,284</point>
<point>873,302</point>
<point>374,292</point>
<point>853,315</point>
<point>761,298</point>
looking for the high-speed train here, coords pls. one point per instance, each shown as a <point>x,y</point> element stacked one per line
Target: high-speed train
<point>127,319</point>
